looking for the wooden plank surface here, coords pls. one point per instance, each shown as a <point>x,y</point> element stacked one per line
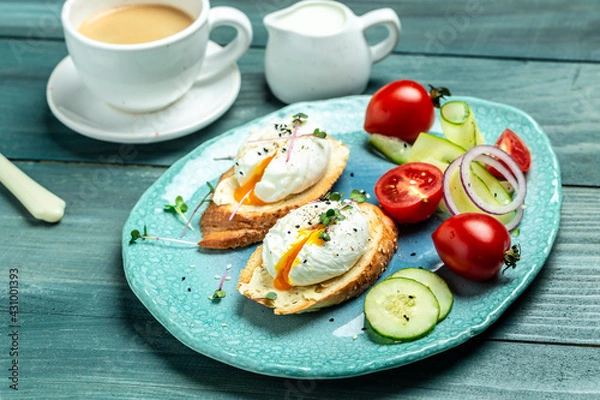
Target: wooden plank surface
<point>85,334</point>
<point>461,27</point>
<point>560,96</point>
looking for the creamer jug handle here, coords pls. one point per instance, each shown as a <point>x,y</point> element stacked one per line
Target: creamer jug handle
<point>389,19</point>
<point>223,58</point>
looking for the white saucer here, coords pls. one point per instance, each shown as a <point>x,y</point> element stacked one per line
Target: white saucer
<point>76,107</point>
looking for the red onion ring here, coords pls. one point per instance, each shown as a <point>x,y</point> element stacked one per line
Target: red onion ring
<point>513,223</point>
<point>480,152</point>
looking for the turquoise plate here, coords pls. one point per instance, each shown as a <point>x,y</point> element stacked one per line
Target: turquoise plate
<point>175,281</point>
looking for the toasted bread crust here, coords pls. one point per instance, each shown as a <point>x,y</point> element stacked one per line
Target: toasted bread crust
<point>250,224</point>
<point>255,281</point>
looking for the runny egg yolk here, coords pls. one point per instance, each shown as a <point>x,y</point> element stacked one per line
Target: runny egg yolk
<point>290,258</point>
<point>247,189</point>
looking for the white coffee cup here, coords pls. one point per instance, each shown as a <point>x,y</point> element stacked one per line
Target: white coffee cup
<point>149,76</point>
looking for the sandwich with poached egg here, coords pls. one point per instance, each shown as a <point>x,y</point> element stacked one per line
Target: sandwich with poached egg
<point>281,166</point>
<point>319,255</point>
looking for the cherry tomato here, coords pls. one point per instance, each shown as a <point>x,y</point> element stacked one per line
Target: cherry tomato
<point>402,109</point>
<point>411,192</point>
<point>511,143</point>
<point>474,246</point>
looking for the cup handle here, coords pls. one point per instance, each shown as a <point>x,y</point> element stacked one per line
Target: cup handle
<point>389,19</point>
<point>234,50</point>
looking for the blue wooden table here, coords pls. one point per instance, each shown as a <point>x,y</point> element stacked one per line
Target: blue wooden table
<point>82,332</point>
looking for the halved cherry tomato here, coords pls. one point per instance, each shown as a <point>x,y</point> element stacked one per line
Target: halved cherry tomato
<point>410,192</point>
<point>474,246</point>
<point>402,109</point>
<point>511,143</point>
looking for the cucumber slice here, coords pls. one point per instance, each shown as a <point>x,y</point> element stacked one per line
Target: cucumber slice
<point>394,149</point>
<point>434,150</point>
<point>401,309</point>
<point>434,282</point>
<point>459,125</point>
<point>487,187</point>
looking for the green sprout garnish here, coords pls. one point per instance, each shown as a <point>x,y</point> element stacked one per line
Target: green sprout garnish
<point>206,199</point>
<point>333,215</point>
<point>319,133</point>
<point>299,117</point>
<point>136,235</point>
<point>271,296</point>
<point>333,196</point>
<point>220,293</point>
<point>358,196</point>
<point>179,207</point>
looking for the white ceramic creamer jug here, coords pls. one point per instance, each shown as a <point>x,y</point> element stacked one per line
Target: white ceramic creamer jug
<point>317,49</point>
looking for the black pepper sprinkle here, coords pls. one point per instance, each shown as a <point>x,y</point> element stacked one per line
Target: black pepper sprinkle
<point>183,278</point>
<point>297,226</point>
<point>189,289</point>
<point>352,174</point>
<point>331,319</point>
<point>355,230</point>
<point>304,261</point>
<point>265,150</point>
<point>410,296</point>
<point>406,317</point>
<point>413,254</point>
<point>259,153</point>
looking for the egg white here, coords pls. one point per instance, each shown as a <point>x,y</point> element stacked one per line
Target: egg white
<point>349,238</point>
<point>306,165</point>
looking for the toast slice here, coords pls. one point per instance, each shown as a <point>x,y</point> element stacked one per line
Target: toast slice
<point>251,223</point>
<point>255,281</point>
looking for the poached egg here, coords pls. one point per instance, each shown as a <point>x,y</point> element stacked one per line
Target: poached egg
<point>294,254</point>
<point>280,160</point>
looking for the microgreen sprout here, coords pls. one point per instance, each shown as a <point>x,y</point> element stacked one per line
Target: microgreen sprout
<point>136,235</point>
<point>333,215</point>
<point>358,196</point>
<point>298,119</point>
<point>319,133</point>
<point>220,293</point>
<point>271,296</point>
<point>206,199</point>
<point>180,208</point>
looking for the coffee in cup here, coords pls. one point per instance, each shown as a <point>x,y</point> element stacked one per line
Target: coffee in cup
<point>151,72</point>
<point>135,23</point>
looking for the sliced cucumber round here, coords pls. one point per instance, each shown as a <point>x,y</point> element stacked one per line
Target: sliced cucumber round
<point>434,282</point>
<point>401,309</point>
<point>394,149</point>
